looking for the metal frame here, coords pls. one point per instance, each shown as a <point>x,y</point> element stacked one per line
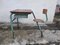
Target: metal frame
<point>39,27</point>
<point>11,23</point>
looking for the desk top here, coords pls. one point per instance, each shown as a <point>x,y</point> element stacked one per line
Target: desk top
<point>24,11</point>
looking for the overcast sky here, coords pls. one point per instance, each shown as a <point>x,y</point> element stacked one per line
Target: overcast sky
<point>58,2</point>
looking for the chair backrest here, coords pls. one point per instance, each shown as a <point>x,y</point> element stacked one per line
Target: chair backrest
<point>45,12</point>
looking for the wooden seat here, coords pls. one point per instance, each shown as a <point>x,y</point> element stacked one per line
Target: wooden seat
<point>38,20</point>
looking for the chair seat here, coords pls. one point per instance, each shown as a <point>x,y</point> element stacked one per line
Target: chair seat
<point>38,20</point>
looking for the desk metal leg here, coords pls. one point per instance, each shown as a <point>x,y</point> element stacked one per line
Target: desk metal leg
<point>46,17</point>
<point>17,23</point>
<point>11,23</point>
<point>40,29</point>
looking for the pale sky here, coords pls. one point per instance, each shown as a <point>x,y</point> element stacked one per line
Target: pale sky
<point>58,2</point>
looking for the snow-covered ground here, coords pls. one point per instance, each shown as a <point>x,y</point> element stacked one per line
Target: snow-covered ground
<point>23,37</point>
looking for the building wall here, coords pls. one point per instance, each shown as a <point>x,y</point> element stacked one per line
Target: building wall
<point>35,5</point>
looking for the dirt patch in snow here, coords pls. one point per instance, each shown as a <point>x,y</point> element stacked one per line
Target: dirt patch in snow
<point>27,36</point>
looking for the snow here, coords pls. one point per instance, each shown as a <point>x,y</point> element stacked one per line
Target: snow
<point>34,37</point>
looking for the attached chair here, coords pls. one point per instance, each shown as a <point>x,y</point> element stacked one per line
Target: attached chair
<point>39,20</point>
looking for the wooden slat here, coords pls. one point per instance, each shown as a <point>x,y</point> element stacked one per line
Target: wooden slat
<point>38,20</point>
<point>21,11</point>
